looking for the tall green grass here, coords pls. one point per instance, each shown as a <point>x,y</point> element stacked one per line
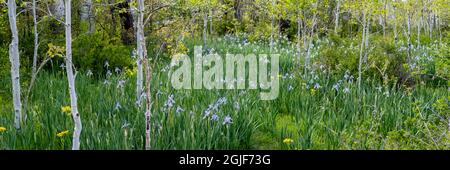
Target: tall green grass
<point>375,117</point>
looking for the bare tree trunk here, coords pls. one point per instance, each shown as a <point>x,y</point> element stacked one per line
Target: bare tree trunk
<point>409,34</point>
<point>361,51</point>
<point>205,27</point>
<point>36,39</point>
<point>419,24</point>
<point>299,23</point>
<point>395,33</point>
<point>15,63</point>
<point>431,25</point>
<point>310,38</point>
<point>237,9</point>
<point>384,17</point>
<point>148,104</point>
<point>336,21</point>
<point>90,16</point>
<point>439,20</point>
<point>143,57</point>
<point>58,8</point>
<point>383,25</point>
<point>211,14</point>
<point>272,26</point>
<point>140,53</point>
<point>71,78</point>
<point>367,35</point>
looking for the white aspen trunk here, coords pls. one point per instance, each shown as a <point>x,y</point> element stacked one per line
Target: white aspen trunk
<point>367,35</point>
<point>308,51</point>
<point>88,14</point>
<point>310,39</point>
<point>409,34</point>
<point>71,78</point>
<point>439,20</point>
<point>385,16</point>
<point>205,28</point>
<point>383,26</point>
<point>148,105</point>
<point>140,53</point>
<point>58,8</point>
<point>424,18</point>
<point>305,45</point>
<point>431,25</point>
<point>36,39</point>
<point>272,26</point>
<point>395,33</point>
<point>143,57</point>
<point>419,24</point>
<point>361,51</point>
<point>15,63</point>
<point>336,21</point>
<point>211,14</point>
<point>298,37</point>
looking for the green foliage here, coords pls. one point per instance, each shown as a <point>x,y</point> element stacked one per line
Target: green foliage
<point>377,116</point>
<point>4,62</point>
<point>91,51</point>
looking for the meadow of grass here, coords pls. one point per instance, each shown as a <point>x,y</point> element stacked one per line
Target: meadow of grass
<point>317,110</point>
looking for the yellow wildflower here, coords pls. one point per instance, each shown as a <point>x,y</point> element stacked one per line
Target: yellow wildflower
<point>2,129</point>
<point>288,141</point>
<point>62,134</point>
<point>66,109</point>
<point>313,92</point>
<point>130,72</point>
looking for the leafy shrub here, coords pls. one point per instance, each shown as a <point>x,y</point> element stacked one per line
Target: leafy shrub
<point>4,62</point>
<point>90,51</point>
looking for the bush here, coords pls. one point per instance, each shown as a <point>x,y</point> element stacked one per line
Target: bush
<point>90,52</point>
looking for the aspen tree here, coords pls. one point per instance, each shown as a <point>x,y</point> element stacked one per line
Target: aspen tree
<point>71,77</point>
<point>36,38</point>
<point>15,63</point>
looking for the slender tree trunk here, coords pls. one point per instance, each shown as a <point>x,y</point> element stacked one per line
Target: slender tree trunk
<point>144,58</point>
<point>419,24</point>
<point>15,64</point>
<point>385,16</point>
<point>310,38</point>
<point>395,33</point>
<point>336,21</point>
<point>71,78</point>
<point>361,51</point>
<point>409,34</point>
<point>91,20</point>
<point>148,104</point>
<point>205,28</point>
<point>36,39</point>
<point>431,25</point>
<point>211,14</point>
<point>367,35</point>
<point>140,53</point>
<point>383,25</point>
<point>299,23</point>
<point>272,26</point>
<point>439,20</point>
<point>237,9</point>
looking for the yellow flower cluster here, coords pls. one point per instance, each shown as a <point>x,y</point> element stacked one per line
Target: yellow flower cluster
<point>130,72</point>
<point>2,129</point>
<point>62,134</point>
<point>313,92</point>
<point>66,109</point>
<point>288,141</point>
